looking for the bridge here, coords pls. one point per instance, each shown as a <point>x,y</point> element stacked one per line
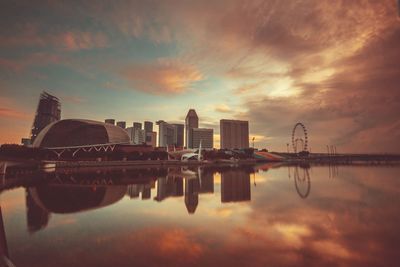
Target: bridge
<point>86,148</point>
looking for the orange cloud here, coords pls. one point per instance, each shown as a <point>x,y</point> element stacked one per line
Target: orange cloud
<point>162,77</point>
<point>223,108</point>
<point>13,114</point>
<point>74,41</point>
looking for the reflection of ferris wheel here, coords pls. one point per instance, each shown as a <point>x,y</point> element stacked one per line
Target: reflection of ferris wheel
<point>299,137</point>
<point>302,182</point>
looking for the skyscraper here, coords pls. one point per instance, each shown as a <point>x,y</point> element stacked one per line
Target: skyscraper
<point>234,134</point>
<point>191,121</point>
<point>166,134</point>
<point>205,136</point>
<point>148,129</point>
<point>151,139</point>
<point>110,121</point>
<point>148,126</point>
<point>138,135</point>
<point>180,129</point>
<point>48,111</point>
<point>121,124</point>
<point>137,125</point>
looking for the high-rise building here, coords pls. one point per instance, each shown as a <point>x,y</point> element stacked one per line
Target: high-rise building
<point>235,186</point>
<point>48,111</point>
<point>148,126</point>
<point>166,134</point>
<point>121,124</point>
<point>206,136</point>
<point>148,129</point>
<point>131,133</point>
<point>207,183</point>
<point>151,139</point>
<point>191,121</point>
<point>138,136</point>
<point>180,129</point>
<point>110,121</point>
<point>137,125</point>
<point>234,134</point>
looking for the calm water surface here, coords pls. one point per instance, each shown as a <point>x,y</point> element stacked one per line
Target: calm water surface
<point>253,216</point>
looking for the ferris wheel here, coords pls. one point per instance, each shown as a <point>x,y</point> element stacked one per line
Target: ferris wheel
<point>299,138</point>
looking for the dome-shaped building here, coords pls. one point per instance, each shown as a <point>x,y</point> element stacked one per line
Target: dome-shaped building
<point>73,132</point>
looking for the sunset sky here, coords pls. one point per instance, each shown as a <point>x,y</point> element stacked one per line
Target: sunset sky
<point>333,65</point>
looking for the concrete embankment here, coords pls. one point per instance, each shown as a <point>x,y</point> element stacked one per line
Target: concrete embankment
<point>146,163</point>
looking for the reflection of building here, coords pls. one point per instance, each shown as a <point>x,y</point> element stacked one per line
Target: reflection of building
<point>191,195</point>
<point>37,217</point>
<point>191,121</point>
<point>134,190</point>
<point>169,187</point>
<point>67,133</point>
<point>235,186</point>
<point>234,134</point>
<point>48,111</point>
<point>207,183</point>
<point>3,240</point>
<point>180,129</point>
<point>206,137</point>
<point>69,199</point>
<point>121,124</point>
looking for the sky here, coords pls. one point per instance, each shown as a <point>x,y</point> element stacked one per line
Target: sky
<point>332,65</point>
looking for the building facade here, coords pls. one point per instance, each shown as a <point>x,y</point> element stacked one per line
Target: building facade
<point>148,126</point>
<point>205,136</point>
<point>48,111</point>
<point>73,132</point>
<point>166,134</point>
<point>148,129</point>
<point>234,134</point>
<point>151,139</point>
<point>110,121</point>
<point>191,121</point>
<point>180,129</point>
<point>121,124</point>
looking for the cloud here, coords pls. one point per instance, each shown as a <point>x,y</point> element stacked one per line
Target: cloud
<point>223,108</point>
<point>74,41</point>
<point>12,114</point>
<point>62,40</point>
<point>8,110</point>
<point>73,99</point>
<point>162,77</point>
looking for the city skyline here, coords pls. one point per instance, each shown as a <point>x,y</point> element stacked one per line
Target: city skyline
<point>333,66</point>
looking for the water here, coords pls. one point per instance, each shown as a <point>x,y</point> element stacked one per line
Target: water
<point>254,216</point>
